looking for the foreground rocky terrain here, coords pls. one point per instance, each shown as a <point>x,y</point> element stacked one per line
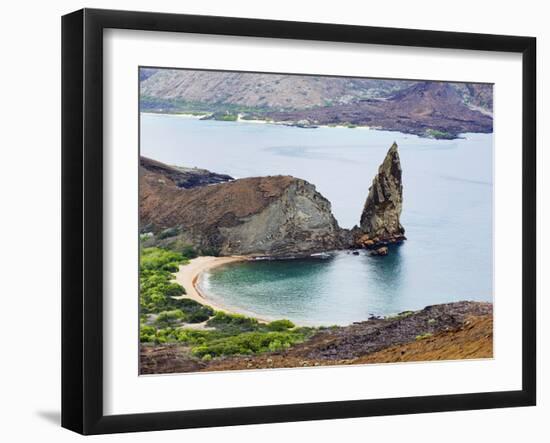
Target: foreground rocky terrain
<point>461,330</point>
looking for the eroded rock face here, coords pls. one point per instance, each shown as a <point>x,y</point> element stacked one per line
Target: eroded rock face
<point>380,222</point>
<point>279,216</point>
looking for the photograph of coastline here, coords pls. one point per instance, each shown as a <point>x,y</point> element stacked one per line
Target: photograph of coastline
<point>294,221</point>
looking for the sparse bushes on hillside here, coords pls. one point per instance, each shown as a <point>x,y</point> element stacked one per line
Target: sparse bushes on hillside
<point>228,334</point>
<point>223,320</point>
<point>168,318</point>
<point>248,343</point>
<point>280,325</point>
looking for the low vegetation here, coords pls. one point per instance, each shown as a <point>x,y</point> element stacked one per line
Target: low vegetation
<point>399,316</point>
<point>439,135</point>
<point>424,336</point>
<point>225,117</point>
<point>165,316</point>
<point>159,294</point>
<point>180,106</point>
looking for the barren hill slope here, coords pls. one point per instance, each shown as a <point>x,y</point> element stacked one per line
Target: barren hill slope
<point>262,90</point>
<point>275,216</point>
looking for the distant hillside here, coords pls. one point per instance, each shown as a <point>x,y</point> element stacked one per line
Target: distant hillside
<point>431,109</point>
<point>435,109</point>
<point>262,90</point>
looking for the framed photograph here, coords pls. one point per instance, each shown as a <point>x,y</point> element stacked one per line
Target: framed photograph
<point>269,221</point>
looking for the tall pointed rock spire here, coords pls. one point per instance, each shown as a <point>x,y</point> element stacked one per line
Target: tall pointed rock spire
<point>380,224</point>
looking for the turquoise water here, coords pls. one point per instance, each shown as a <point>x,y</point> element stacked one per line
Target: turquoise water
<point>447,215</point>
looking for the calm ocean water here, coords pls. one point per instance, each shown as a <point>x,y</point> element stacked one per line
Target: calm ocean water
<point>447,215</point>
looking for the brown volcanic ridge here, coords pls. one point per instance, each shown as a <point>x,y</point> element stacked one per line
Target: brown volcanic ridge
<point>426,109</point>
<point>165,205</point>
<point>278,216</point>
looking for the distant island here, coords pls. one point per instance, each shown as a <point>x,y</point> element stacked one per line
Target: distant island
<point>440,110</point>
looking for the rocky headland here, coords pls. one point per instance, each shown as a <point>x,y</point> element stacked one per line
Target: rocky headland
<point>278,216</point>
<point>274,217</point>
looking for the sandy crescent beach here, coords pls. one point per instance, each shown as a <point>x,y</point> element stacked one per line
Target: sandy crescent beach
<point>188,276</point>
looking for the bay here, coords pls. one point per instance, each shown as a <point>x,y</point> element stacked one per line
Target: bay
<point>447,215</point>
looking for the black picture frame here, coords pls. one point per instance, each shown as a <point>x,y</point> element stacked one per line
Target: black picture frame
<point>82,218</point>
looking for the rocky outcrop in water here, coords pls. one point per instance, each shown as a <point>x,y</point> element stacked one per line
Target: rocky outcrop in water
<point>380,224</point>
<point>279,216</point>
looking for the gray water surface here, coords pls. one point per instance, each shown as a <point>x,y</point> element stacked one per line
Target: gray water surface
<point>447,215</point>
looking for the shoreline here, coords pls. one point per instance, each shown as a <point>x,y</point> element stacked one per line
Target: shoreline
<point>290,124</point>
<point>188,276</point>
<point>294,124</point>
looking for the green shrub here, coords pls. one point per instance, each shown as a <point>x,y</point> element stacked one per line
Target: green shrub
<point>156,258</point>
<point>157,292</point>
<point>437,134</point>
<point>248,343</point>
<point>147,334</point>
<point>277,345</point>
<point>198,317</point>
<point>227,117</point>
<point>196,312</point>
<point>168,318</point>
<point>170,267</point>
<point>224,320</point>
<point>189,252</point>
<point>280,325</point>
